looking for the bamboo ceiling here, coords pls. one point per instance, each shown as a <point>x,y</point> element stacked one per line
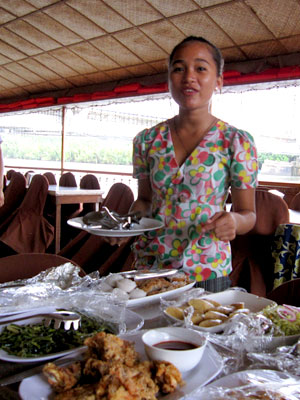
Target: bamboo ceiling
<point>48,46</point>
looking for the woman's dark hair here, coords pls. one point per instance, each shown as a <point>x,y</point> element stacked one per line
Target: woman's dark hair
<point>216,53</point>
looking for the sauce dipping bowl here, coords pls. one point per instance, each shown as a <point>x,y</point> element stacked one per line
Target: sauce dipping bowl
<point>175,338</point>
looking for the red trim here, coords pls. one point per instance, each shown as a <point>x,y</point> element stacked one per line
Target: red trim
<point>136,89</point>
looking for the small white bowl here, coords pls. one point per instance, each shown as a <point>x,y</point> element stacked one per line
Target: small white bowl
<point>184,360</point>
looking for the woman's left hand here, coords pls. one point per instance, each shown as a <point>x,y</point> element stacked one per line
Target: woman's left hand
<point>224,225</point>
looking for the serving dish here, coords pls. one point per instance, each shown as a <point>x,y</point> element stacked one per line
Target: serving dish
<point>133,322</point>
<point>144,225</point>
<point>13,358</point>
<point>252,302</point>
<point>156,297</point>
<point>252,381</point>
<point>37,387</point>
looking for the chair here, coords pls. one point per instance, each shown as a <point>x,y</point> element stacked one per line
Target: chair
<point>91,251</point>
<point>67,179</point>
<point>68,211</point>
<point>89,181</point>
<point>9,174</point>
<point>252,262</point>
<point>295,202</point>
<point>287,293</point>
<point>119,198</point>
<point>28,176</point>
<point>50,177</point>
<point>27,231</point>
<point>50,209</point>
<point>27,265</point>
<point>14,195</point>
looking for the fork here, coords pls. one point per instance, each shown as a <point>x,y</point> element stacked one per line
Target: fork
<point>67,318</point>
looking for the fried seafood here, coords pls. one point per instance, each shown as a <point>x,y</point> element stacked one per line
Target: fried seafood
<point>155,285</point>
<point>63,378</point>
<point>109,347</point>
<point>112,370</point>
<point>166,376</point>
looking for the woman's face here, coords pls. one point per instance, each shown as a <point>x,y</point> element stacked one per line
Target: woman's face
<point>193,76</point>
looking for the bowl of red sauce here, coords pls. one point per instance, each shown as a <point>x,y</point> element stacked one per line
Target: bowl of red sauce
<point>180,346</point>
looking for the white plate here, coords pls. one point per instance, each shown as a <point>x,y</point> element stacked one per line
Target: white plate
<point>156,297</point>
<point>281,382</point>
<point>9,357</point>
<point>145,225</point>
<point>133,323</point>
<point>252,302</point>
<point>37,387</point>
<point>263,376</point>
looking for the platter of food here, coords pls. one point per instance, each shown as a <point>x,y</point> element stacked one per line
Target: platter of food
<point>262,384</point>
<point>38,386</point>
<point>135,228</point>
<point>145,291</point>
<point>211,313</point>
<point>28,340</point>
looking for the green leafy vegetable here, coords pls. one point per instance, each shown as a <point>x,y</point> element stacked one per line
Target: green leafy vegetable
<point>37,340</point>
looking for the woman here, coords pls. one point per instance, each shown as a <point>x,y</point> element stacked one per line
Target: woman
<point>185,167</point>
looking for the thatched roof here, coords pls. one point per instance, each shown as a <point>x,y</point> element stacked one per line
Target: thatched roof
<point>48,46</point>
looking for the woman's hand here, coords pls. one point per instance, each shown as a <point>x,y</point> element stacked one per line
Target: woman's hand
<point>236,222</point>
<point>224,225</point>
<point>115,240</point>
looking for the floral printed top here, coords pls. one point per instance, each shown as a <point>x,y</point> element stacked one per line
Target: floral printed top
<point>185,197</point>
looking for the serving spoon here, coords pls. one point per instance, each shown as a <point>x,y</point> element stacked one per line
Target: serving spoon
<point>69,319</point>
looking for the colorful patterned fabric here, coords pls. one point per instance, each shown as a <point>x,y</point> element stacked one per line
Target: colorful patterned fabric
<point>286,253</point>
<point>185,197</point>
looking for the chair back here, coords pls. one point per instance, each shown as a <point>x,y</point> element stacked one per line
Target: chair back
<point>50,177</point>
<point>119,198</point>
<point>68,180</point>
<point>295,202</point>
<point>28,230</point>
<point>14,195</point>
<point>287,293</point>
<point>27,265</point>
<point>89,181</point>
<point>28,176</point>
<point>271,211</point>
<point>9,174</point>
<point>252,262</point>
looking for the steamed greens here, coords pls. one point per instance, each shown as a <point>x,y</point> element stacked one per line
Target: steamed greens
<point>36,340</point>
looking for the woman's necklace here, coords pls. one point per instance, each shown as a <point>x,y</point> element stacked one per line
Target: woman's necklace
<point>188,151</point>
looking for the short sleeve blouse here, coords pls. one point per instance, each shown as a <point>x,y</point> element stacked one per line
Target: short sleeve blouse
<point>185,197</point>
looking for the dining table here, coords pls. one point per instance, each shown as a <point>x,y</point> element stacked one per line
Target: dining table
<point>153,317</point>
<point>71,195</point>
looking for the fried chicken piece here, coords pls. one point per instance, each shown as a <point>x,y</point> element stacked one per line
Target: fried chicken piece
<point>84,392</point>
<point>96,368</point>
<point>106,346</point>
<point>128,383</point>
<point>63,378</point>
<point>166,376</point>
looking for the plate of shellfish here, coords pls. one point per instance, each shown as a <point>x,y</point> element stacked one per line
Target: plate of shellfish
<point>140,288</point>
